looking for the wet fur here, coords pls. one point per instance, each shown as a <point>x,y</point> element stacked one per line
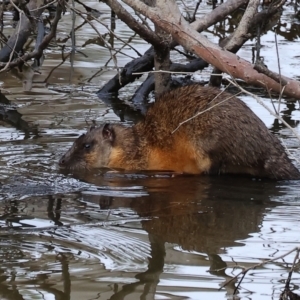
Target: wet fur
<point>228,138</point>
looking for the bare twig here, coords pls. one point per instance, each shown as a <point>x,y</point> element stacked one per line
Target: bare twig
<point>286,292</point>
<point>277,116</point>
<point>279,70</point>
<point>118,38</point>
<point>292,269</point>
<point>45,6</point>
<point>124,45</point>
<point>203,111</point>
<point>73,41</point>
<point>245,270</point>
<point>195,11</point>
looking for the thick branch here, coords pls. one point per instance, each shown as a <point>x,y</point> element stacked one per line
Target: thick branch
<point>127,18</point>
<point>216,15</point>
<point>168,17</point>
<point>237,38</point>
<point>140,64</point>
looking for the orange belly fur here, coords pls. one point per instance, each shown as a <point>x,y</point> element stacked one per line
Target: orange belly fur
<point>182,158</point>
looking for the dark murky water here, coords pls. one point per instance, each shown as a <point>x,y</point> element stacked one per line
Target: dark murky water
<point>132,235</point>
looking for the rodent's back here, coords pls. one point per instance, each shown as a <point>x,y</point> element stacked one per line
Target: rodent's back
<point>195,110</point>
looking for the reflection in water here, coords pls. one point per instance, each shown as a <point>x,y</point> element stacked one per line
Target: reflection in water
<point>54,213</point>
<point>290,32</point>
<point>287,117</point>
<point>149,279</point>
<point>11,116</point>
<point>203,215</point>
<point>199,214</point>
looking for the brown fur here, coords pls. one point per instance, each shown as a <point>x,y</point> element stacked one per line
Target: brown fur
<point>228,138</point>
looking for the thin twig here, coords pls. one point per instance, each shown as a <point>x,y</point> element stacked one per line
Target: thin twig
<point>110,31</point>
<point>279,72</point>
<point>162,71</point>
<point>287,284</point>
<point>73,41</point>
<point>277,116</point>
<point>258,265</point>
<point>96,30</point>
<point>203,111</point>
<point>43,7</point>
<point>195,11</point>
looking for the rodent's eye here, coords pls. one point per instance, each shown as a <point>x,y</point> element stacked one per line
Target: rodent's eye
<point>87,146</point>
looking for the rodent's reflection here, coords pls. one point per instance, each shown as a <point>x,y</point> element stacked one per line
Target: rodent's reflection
<point>204,214</point>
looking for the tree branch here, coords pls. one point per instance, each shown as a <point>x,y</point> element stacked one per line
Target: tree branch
<point>126,17</point>
<point>235,41</point>
<point>169,17</point>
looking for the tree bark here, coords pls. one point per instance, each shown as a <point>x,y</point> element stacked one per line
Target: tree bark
<point>162,62</point>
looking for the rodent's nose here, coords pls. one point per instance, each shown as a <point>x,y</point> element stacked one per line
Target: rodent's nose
<point>62,161</point>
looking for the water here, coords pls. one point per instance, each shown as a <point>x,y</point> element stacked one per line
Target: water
<point>129,235</point>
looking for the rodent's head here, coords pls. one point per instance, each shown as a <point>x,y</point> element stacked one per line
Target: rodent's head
<point>90,150</point>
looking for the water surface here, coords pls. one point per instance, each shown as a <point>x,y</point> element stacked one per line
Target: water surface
<point>122,235</point>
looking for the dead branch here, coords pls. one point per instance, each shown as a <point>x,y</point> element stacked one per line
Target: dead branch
<point>136,66</point>
<point>218,14</point>
<point>126,17</point>
<point>23,30</point>
<point>140,64</point>
<point>238,38</point>
<point>166,14</point>
<point>287,294</point>
<point>260,67</point>
<point>246,270</point>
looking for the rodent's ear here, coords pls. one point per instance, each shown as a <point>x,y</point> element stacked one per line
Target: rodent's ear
<point>92,128</point>
<point>108,132</point>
